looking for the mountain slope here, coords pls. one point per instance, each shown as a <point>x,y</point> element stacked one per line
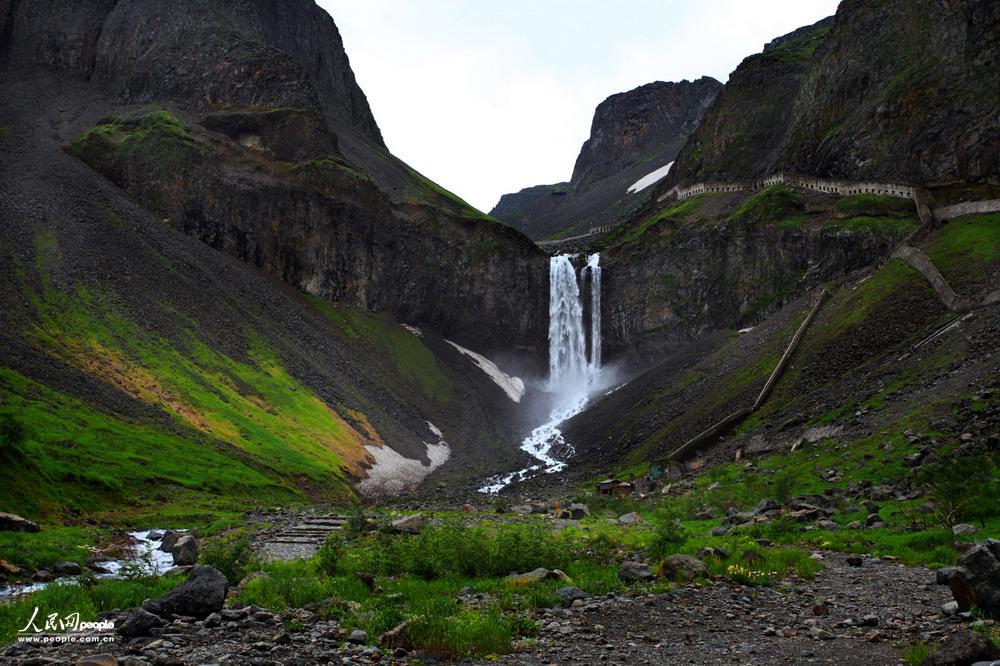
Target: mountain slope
<point>897,91</point>
<point>633,133</point>
<point>206,255</point>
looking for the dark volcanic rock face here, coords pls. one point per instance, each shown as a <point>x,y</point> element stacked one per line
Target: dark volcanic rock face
<point>197,54</point>
<point>324,227</point>
<point>900,90</point>
<point>688,281</point>
<point>646,125</point>
<point>523,209</point>
<point>292,175</point>
<point>633,134</point>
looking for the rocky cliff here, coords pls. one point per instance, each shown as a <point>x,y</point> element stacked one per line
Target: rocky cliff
<point>207,258</point>
<point>633,133</point>
<point>266,149</point>
<point>897,91</point>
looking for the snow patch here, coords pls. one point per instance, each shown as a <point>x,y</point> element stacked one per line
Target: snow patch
<point>745,330</point>
<point>650,179</point>
<point>413,329</point>
<point>393,473</point>
<point>512,386</point>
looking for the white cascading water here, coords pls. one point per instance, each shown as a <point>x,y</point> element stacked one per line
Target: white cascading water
<point>572,376</point>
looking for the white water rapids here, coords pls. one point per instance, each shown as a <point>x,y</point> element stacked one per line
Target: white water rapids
<point>573,374</point>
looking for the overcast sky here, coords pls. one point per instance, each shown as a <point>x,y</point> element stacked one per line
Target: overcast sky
<point>490,96</point>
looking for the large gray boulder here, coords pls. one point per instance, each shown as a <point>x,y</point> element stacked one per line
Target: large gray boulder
<point>633,571</point>
<point>202,594</point>
<point>975,581</point>
<point>682,566</point>
<point>185,551</point>
<point>963,648</point>
<point>11,522</point>
<point>408,524</point>
<point>169,539</point>
<point>139,622</point>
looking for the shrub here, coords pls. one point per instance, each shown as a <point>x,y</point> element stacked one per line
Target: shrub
<point>232,555</point>
<point>670,534</point>
<point>964,488</point>
<point>328,557</point>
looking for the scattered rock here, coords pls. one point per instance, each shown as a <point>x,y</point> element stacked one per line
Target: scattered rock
<point>539,574</point>
<point>67,568</point>
<point>949,609</point>
<point>964,529</point>
<point>155,535</point>
<point>139,622</point>
<point>632,571</point>
<point>682,566</point>
<point>408,524</point>
<point>43,576</point>
<point>11,522</point>
<point>98,660</point>
<point>855,560</point>
<point>709,552</point>
<point>962,649</point>
<point>202,594</point>
<point>358,637</point>
<point>8,569</point>
<point>569,594</point>
<point>578,511</point>
<point>397,638</point>
<point>630,518</point>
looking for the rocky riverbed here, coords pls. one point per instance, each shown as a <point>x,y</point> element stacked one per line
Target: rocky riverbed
<point>856,611</point>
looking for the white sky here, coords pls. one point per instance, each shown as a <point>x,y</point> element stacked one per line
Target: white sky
<point>490,96</point>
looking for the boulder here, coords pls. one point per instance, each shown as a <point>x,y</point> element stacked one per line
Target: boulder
<point>766,505</point>
<point>682,566</point>
<point>98,660</point>
<point>11,522</point>
<point>567,595</point>
<point>964,529</point>
<point>633,571</point>
<point>632,518</point>
<point>67,568</point>
<point>185,551</point>
<point>963,648</point>
<point>170,537</point>
<point>578,511</point>
<point>710,553</point>
<point>139,622</point>
<point>539,574</point>
<point>202,594</point>
<point>408,524</point>
<point>43,576</point>
<point>976,579</point>
<point>397,638</point>
<point>943,575</point>
<point>358,637</point>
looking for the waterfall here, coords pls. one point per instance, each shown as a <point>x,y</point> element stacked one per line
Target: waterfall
<point>567,352</point>
<point>572,376</point>
<point>568,362</point>
<point>594,264</point>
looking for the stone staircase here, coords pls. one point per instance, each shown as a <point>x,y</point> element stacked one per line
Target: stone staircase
<point>301,540</point>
